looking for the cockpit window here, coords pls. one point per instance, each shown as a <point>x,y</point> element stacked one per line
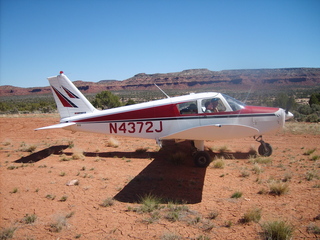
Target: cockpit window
<point>188,107</point>
<point>234,103</point>
<point>212,105</point>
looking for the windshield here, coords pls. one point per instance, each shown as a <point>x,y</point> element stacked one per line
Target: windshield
<point>234,103</point>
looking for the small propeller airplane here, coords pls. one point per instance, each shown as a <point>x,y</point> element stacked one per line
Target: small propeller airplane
<point>197,117</point>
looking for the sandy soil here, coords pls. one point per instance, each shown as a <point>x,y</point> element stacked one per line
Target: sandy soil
<point>35,183</point>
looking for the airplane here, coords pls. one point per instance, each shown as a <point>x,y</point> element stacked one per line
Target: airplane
<point>187,117</point>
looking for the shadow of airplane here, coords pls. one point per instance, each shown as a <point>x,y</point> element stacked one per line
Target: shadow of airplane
<point>167,180</point>
<point>37,156</point>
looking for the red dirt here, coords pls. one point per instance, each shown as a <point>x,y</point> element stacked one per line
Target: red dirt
<point>27,180</point>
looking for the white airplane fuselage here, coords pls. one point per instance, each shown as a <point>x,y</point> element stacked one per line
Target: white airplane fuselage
<point>161,119</point>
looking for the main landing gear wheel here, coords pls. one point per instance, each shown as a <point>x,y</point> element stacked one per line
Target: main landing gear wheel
<point>202,159</point>
<point>264,149</point>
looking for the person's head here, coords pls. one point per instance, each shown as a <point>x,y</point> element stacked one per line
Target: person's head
<point>214,102</point>
<point>193,107</point>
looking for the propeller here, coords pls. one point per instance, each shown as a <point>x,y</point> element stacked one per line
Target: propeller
<point>288,106</point>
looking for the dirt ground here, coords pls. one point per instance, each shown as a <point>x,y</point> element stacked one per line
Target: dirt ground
<point>196,203</point>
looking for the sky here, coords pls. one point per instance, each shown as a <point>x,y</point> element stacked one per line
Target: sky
<point>117,39</point>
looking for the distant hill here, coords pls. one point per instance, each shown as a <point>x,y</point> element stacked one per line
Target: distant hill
<point>192,79</point>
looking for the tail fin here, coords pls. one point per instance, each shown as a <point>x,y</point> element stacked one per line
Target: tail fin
<point>70,101</point>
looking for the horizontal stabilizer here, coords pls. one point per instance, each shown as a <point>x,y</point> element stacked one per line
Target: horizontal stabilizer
<point>60,125</point>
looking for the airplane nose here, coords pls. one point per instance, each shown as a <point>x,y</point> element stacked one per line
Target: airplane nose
<point>289,115</point>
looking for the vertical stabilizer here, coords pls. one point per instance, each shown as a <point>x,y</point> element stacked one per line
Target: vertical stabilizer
<point>70,101</point>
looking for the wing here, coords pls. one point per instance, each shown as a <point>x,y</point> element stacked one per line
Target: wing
<point>214,132</point>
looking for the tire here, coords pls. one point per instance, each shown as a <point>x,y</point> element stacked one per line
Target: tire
<point>265,150</point>
<point>202,159</point>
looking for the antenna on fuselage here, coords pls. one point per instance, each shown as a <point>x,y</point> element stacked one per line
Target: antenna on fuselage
<point>245,101</point>
<point>162,90</point>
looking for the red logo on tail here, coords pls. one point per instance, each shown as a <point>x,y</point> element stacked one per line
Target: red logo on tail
<point>64,100</point>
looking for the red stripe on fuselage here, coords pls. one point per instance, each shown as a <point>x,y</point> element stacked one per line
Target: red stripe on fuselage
<point>165,111</point>
<point>257,109</point>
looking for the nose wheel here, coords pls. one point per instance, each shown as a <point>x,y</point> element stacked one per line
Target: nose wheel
<point>264,149</point>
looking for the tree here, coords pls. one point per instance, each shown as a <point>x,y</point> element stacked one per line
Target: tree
<point>284,101</point>
<point>314,99</point>
<point>106,99</point>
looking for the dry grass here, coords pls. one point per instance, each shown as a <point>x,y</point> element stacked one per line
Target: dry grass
<point>252,215</point>
<point>277,230</point>
<point>278,188</point>
<point>112,142</point>
<point>302,128</point>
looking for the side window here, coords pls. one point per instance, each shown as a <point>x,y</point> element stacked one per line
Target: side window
<point>188,108</point>
<point>212,105</point>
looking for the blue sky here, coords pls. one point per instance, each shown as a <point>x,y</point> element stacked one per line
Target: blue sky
<point>108,39</point>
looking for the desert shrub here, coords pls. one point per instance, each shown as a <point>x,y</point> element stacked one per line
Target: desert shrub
<point>51,197</point>
<point>170,236</point>
<point>77,156</point>
<point>257,169</point>
<point>244,173</point>
<point>236,194</point>
<point>58,225</point>
<point>311,175</point>
<point>28,219</point>
<point>31,148</point>
<point>277,230</point>
<point>223,149</point>
<point>307,113</point>
<point>278,188</point>
<point>11,167</point>
<point>261,160</point>
<point>314,118</point>
<point>149,203</point>
<point>315,157</point>
<point>312,228</point>
<point>7,233</point>
<point>176,212</point>
<point>107,202</point>
<point>252,215</point>
<point>218,163</point>
<point>287,177</point>
<point>309,151</point>
<point>63,198</point>
<point>213,215</point>
<point>141,150</point>
<point>64,158</point>
<point>70,144</point>
<point>112,142</point>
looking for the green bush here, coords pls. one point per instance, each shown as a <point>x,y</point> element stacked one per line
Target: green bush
<point>105,100</point>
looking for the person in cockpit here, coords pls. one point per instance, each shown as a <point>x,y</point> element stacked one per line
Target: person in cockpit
<point>211,106</point>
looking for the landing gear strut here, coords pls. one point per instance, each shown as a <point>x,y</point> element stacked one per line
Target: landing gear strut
<point>264,149</point>
<point>201,158</point>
